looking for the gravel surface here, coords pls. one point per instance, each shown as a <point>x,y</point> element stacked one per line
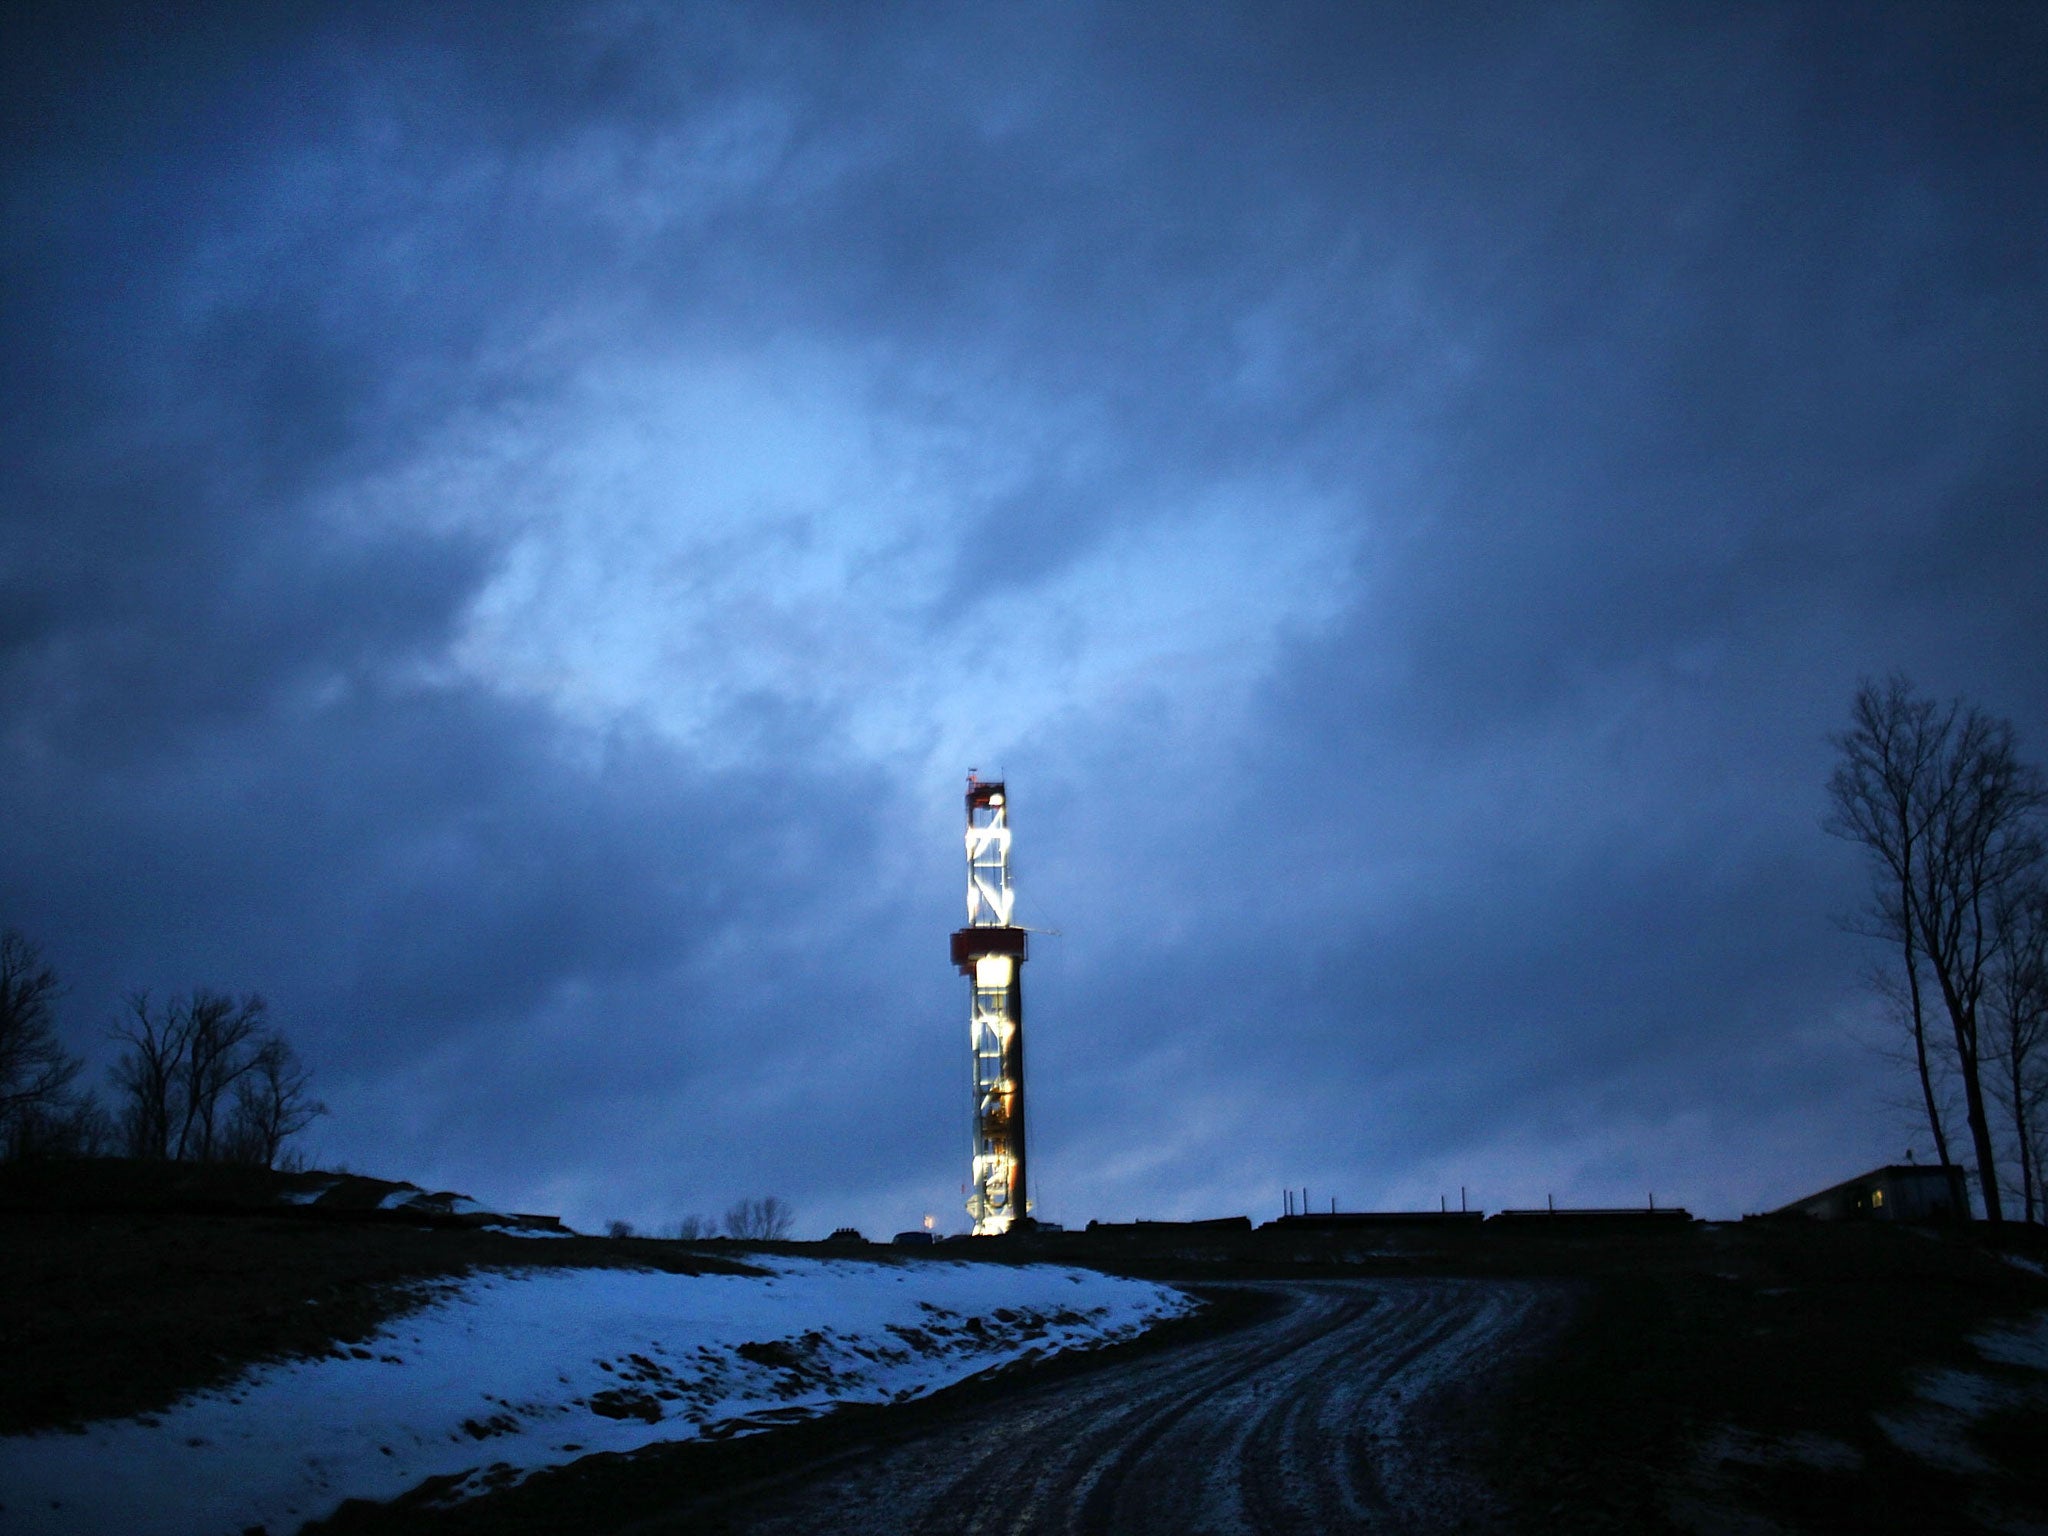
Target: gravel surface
<point>1317,1419</point>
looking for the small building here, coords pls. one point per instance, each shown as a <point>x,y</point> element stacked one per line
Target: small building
<point>1899,1192</point>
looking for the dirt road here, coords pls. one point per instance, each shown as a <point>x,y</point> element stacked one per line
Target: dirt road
<point>1320,1418</point>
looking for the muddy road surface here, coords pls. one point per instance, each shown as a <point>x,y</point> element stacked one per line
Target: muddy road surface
<point>1327,1415</point>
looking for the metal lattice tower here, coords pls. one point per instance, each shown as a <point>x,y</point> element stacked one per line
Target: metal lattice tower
<point>991,951</point>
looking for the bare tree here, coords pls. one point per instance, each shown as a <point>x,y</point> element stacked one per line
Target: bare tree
<point>73,1124</point>
<point>2017,1002</point>
<point>1879,798</point>
<point>1948,812</point>
<point>148,1075</point>
<point>1925,1062</point>
<point>221,1049</point>
<point>36,1072</point>
<point>273,1102</point>
<point>204,1079</point>
<point>767,1219</point>
<point>691,1228</point>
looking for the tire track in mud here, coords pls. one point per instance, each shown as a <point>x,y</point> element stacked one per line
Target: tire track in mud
<point>1311,1420</point>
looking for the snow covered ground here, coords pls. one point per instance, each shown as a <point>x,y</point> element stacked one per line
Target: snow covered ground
<point>509,1372</point>
<point>1948,1403</point>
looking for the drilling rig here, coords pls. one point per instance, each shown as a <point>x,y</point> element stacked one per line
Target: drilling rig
<point>991,951</point>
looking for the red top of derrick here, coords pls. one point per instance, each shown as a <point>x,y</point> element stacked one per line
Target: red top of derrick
<point>982,791</point>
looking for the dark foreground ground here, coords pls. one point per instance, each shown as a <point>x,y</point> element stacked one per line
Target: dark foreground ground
<point>1748,1377</point>
<point>1319,1416</point>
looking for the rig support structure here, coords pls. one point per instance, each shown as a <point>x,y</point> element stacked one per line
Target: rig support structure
<point>991,951</point>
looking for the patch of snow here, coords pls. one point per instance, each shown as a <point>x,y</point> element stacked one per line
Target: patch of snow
<point>514,1229</point>
<point>1711,1497</point>
<point>512,1371</point>
<point>1804,1448</point>
<point>405,1194</point>
<point>2031,1266</point>
<point>1939,1433</point>
<point>1963,1393</point>
<point>304,1196</point>
<point>1937,1428</point>
<point>2022,1344</point>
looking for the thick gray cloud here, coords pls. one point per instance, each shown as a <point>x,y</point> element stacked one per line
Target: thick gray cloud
<point>516,530</point>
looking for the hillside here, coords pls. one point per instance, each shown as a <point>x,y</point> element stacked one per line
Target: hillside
<point>1693,1373</point>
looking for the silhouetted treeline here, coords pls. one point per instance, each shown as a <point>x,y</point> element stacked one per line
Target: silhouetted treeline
<point>205,1079</point>
<point>767,1219</point>
<point>43,1110</point>
<point>202,1078</point>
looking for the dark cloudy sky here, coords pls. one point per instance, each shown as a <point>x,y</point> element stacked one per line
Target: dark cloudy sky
<point>516,521</point>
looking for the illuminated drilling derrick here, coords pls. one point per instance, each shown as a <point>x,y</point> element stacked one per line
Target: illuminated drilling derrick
<point>991,951</point>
